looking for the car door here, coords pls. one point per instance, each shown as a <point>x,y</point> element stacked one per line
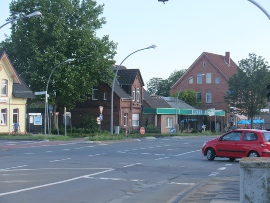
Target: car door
<point>228,145</point>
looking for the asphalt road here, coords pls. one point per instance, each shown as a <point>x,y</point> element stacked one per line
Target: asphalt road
<point>142,170</point>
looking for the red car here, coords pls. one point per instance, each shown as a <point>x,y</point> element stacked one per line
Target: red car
<point>239,143</point>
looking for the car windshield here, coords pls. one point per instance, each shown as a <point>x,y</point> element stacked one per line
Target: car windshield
<point>266,137</point>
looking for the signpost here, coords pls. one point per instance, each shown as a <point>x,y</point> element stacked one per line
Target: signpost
<point>142,130</point>
<point>173,130</point>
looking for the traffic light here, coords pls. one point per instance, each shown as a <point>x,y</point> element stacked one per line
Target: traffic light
<point>268,92</point>
<point>163,1</point>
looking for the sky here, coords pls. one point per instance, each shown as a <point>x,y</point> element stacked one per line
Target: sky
<point>181,29</point>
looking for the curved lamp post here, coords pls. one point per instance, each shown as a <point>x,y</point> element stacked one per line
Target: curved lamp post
<point>150,47</point>
<point>260,7</point>
<point>46,95</point>
<point>36,13</point>
<point>176,106</point>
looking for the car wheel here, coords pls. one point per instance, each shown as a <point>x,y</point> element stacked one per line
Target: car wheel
<point>232,159</point>
<point>210,154</point>
<point>253,154</point>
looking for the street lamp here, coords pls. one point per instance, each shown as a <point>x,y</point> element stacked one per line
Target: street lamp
<point>150,47</point>
<point>176,106</point>
<point>36,13</point>
<point>260,7</point>
<point>46,95</point>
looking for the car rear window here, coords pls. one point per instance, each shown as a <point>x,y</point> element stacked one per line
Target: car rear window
<point>266,137</point>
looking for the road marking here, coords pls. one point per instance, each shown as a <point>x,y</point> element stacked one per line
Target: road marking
<point>55,183</point>
<point>118,179</point>
<point>66,149</point>
<point>132,165</point>
<point>96,154</point>
<point>48,151</point>
<point>174,183</point>
<point>187,153</point>
<point>15,167</point>
<point>60,160</point>
<point>146,153</point>
<point>161,158</point>
<point>79,148</point>
<point>221,169</point>
<point>159,154</point>
<point>214,174</point>
<point>29,153</point>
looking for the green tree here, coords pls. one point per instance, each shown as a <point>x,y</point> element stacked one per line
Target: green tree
<point>66,30</point>
<point>189,97</point>
<point>161,87</point>
<point>247,90</point>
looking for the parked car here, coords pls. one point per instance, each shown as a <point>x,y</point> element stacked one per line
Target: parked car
<point>237,144</point>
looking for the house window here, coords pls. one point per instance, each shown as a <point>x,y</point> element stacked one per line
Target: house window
<point>190,80</point>
<point>125,119</point>
<point>199,96</point>
<point>15,115</point>
<point>133,94</point>
<point>138,95</point>
<point>169,121</point>
<point>94,94</point>
<point>203,63</point>
<point>208,78</point>
<point>217,80</point>
<point>3,116</point>
<point>105,96</point>
<point>208,97</point>
<point>4,87</point>
<point>135,119</point>
<point>199,78</point>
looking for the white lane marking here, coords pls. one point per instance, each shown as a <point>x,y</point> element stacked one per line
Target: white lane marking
<point>79,148</point>
<point>57,160</point>
<point>29,153</point>
<point>103,144</point>
<point>187,152</point>
<point>118,179</point>
<point>96,154</point>
<point>15,167</point>
<point>132,165</point>
<point>145,153</point>
<point>38,169</point>
<point>121,152</point>
<point>159,154</point>
<point>89,146</point>
<point>55,183</point>
<point>161,158</point>
<point>174,183</point>
<point>48,151</point>
<point>66,149</point>
<point>221,169</point>
<point>214,174</point>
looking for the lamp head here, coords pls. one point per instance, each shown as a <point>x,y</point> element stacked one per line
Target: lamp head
<point>152,47</point>
<point>36,13</point>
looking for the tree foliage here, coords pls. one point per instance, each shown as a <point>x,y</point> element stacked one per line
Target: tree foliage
<point>189,97</point>
<point>67,29</point>
<point>161,87</point>
<point>247,90</point>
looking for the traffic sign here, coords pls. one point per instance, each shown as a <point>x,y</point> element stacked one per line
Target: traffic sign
<point>101,117</point>
<point>98,119</point>
<point>50,108</point>
<point>142,130</point>
<point>173,130</point>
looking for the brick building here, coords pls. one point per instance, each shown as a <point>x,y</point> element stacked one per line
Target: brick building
<point>208,76</point>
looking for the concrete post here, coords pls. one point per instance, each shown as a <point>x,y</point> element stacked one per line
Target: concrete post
<point>254,180</point>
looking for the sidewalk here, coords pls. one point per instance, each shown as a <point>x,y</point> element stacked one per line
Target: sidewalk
<point>216,190</point>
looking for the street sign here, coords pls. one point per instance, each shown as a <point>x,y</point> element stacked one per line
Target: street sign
<point>142,130</point>
<point>173,130</point>
<point>50,108</point>
<point>100,117</point>
<point>40,93</point>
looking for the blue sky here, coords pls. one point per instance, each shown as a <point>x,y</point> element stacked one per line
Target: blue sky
<point>181,29</point>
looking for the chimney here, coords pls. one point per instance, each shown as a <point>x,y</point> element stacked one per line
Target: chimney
<point>227,58</point>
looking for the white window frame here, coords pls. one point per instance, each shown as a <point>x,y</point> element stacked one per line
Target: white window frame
<point>135,119</point>
<point>125,119</point>
<point>94,94</point>
<point>138,95</point>
<point>190,80</point>
<point>133,94</point>
<point>4,87</point>
<point>208,78</point>
<point>217,80</point>
<point>105,96</point>
<point>199,78</point>
<point>16,115</point>
<point>208,98</point>
<point>169,122</point>
<point>3,117</point>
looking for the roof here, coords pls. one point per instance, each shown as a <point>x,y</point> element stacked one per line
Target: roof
<point>154,102</point>
<point>174,103</point>
<point>225,69</point>
<point>19,88</point>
